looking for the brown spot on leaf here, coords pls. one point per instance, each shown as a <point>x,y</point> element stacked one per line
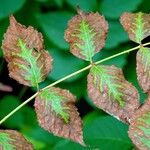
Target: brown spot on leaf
<point>102,98</point>
<point>98,27</point>
<point>139,129</point>
<point>33,40</point>
<point>17,140</point>
<point>52,122</point>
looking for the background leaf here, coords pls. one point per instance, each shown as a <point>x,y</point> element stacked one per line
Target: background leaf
<point>7,104</point>
<point>115,9</point>
<point>8,7</point>
<point>98,135</point>
<point>53,25</point>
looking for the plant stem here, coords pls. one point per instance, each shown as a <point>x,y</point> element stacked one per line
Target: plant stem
<point>67,77</point>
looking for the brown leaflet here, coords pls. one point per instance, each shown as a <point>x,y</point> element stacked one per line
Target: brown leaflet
<point>97,24</point>
<point>52,122</point>
<point>17,140</point>
<point>33,41</point>
<point>143,68</point>
<point>139,129</point>
<point>106,101</point>
<point>137,25</point>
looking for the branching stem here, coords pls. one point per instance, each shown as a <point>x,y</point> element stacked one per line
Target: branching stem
<point>67,77</point>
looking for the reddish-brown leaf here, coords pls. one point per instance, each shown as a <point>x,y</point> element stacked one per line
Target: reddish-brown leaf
<point>23,48</point>
<point>143,68</point>
<point>86,34</point>
<point>109,91</point>
<point>137,25</point>
<point>52,112</point>
<point>12,138</point>
<point>139,129</point>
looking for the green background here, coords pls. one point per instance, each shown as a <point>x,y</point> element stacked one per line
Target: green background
<point>50,17</point>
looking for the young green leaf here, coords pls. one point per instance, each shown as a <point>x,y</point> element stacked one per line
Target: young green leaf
<point>110,91</point>
<point>139,129</point>
<point>86,34</point>
<point>137,25</point>
<point>143,68</point>
<point>56,112</point>
<point>13,140</point>
<point>28,62</point>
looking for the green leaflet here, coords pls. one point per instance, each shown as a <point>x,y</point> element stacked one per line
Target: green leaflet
<point>55,100</point>
<point>33,71</point>
<point>5,142</point>
<point>102,78</point>
<point>145,54</point>
<point>145,127</point>
<point>86,36</point>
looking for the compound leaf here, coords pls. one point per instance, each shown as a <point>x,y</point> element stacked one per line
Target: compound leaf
<point>110,91</point>
<point>143,68</point>
<point>13,140</point>
<point>137,25</point>
<point>28,62</point>
<point>56,112</point>
<point>86,34</point>
<point>139,129</point>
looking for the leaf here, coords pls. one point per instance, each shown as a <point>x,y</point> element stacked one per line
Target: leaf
<point>109,91</point>
<point>7,104</point>
<point>28,62</point>
<point>8,7</point>
<point>106,133</point>
<point>116,35</point>
<point>113,10</point>
<point>136,25</point>
<point>53,25</point>
<point>13,140</point>
<point>139,130</point>
<point>143,68</point>
<point>86,34</point>
<point>56,113</point>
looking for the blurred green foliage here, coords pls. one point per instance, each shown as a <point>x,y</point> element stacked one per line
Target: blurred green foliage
<point>50,17</point>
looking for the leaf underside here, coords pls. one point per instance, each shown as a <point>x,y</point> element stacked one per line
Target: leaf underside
<point>86,34</point>
<point>56,112</point>
<point>137,25</point>
<point>139,130</point>
<point>110,91</point>
<point>143,68</point>
<point>28,62</point>
<point>13,140</point>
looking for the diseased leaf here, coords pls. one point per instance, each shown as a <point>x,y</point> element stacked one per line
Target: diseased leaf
<point>13,140</point>
<point>28,62</point>
<point>110,91</point>
<point>137,25</point>
<point>86,34</point>
<point>139,129</point>
<point>56,112</point>
<point>143,68</point>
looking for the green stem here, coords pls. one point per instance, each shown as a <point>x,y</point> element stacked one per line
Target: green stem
<point>67,77</point>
